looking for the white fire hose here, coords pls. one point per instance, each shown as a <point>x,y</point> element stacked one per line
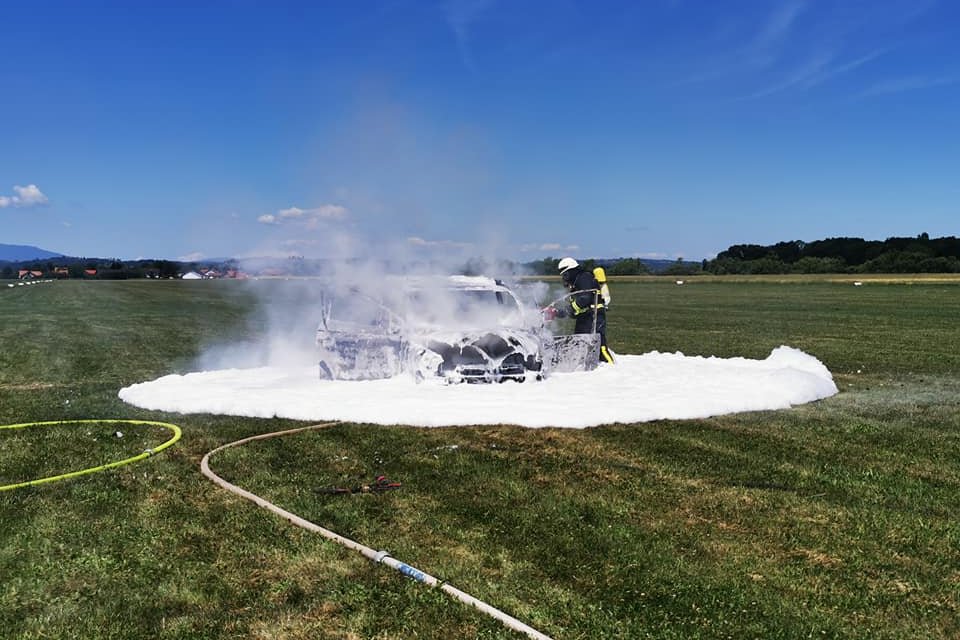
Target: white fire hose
<point>381,557</point>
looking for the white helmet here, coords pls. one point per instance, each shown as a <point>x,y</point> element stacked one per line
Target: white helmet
<point>566,264</point>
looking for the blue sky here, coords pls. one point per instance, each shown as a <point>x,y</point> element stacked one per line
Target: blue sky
<point>663,128</point>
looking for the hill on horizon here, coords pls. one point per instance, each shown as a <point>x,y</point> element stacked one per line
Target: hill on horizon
<point>22,252</point>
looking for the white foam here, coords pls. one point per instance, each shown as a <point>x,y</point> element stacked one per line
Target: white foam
<point>638,388</point>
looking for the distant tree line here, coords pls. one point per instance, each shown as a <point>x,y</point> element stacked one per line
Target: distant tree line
<point>104,268</point>
<point>921,254</point>
<point>842,255</point>
<point>621,266</point>
<point>618,267</point>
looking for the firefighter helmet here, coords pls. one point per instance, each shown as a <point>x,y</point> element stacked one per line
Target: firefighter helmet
<point>566,264</point>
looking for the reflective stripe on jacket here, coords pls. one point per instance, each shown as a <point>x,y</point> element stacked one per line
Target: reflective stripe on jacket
<point>587,288</point>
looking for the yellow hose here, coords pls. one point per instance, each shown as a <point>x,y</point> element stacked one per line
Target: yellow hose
<point>72,474</point>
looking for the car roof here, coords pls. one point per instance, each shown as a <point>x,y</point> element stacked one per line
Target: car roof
<point>462,283</point>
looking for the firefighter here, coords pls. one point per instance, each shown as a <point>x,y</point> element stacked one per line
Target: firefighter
<point>586,304</point>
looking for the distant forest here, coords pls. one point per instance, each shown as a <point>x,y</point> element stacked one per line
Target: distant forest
<point>100,268</point>
<point>921,254</point>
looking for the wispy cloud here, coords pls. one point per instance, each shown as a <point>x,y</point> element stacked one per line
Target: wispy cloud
<point>461,15</point>
<point>751,49</point>
<point>28,196</point>
<point>817,70</point>
<point>799,45</point>
<point>778,25</point>
<point>912,83</point>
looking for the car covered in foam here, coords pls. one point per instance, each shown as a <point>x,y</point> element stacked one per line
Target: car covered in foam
<point>454,329</point>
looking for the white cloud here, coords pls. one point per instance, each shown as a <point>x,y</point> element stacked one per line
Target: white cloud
<point>292,212</point>
<point>421,242</point>
<point>309,217</point>
<point>28,196</point>
<point>548,246</point>
<point>331,211</point>
<point>191,257</point>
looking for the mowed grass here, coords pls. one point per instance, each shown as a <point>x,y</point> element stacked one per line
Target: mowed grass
<point>835,519</point>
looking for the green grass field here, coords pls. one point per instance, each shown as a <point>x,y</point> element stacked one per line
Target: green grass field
<point>836,519</point>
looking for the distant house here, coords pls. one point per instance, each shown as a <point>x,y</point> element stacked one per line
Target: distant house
<point>90,272</point>
<point>29,274</point>
<point>61,272</point>
<point>192,275</point>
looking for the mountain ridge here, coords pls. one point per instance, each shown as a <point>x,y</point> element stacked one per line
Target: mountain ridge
<point>23,252</point>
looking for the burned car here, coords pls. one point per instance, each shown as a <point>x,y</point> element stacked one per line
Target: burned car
<point>453,329</point>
